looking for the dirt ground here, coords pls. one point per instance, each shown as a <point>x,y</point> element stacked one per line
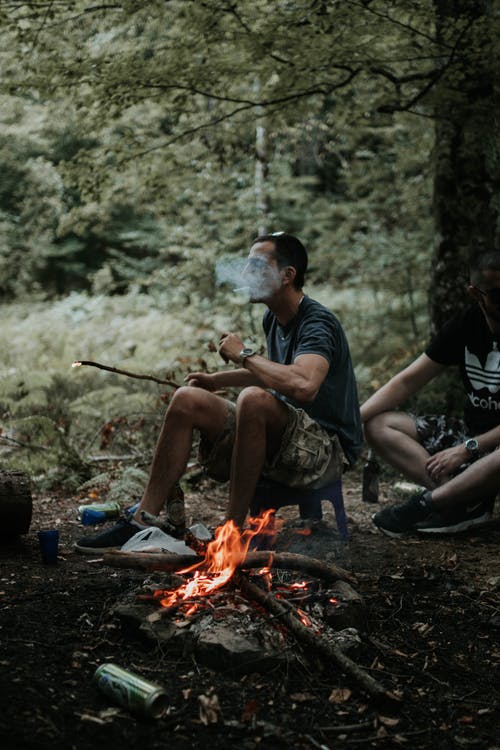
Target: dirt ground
<point>432,639</point>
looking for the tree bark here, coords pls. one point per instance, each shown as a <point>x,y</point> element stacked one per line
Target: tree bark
<point>467,153</point>
<point>262,199</point>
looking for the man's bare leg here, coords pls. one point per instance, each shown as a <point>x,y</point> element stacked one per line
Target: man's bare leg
<point>190,408</point>
<point>393,435</point>
<point>260,422</point>
<point>482,478</point>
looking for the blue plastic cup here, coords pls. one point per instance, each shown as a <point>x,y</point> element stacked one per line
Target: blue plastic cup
<point>49,544</point>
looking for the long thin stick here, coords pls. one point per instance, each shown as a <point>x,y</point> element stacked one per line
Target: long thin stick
<point>314,640</point>
<point>80,363</point>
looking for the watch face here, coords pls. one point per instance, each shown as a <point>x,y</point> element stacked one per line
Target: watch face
<point>245,353</point>
<point>472,445</point>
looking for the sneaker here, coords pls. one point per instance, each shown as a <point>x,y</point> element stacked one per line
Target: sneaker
<point>400,520</point>
<point>453,520</point>
<point>113,538</point>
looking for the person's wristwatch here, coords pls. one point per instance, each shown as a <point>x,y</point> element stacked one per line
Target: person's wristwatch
<point>472,447</point>
<point>245,354</point>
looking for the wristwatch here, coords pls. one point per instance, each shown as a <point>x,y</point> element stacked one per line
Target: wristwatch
<point>472,446</point>
<point>245,353</point>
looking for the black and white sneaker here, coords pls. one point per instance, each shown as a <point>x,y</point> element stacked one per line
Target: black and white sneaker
<point>113,538</point>
<point>454,520</point>
<point>400,520</point>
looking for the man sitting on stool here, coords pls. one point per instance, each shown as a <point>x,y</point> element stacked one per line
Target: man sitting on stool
<point>296,420</point>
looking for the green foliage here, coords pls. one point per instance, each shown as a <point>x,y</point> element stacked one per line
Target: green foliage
<point>88,413</point>
<point>126,489</point>
<point>36,445</point>
<point>148,115</point>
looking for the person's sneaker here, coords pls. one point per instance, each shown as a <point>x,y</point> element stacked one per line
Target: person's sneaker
<point>454,520</point>
<point>400,520</point>
<point>113,538</point>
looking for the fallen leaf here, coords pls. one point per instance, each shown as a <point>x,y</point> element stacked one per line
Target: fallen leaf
<point>91,717</point>
<point>423,627</point>
<point>302,697</point>
<point>249,711</point>
<point>388,721</point>
<point>339,695</point>
<point>210,711</point>
<point>109,713</point>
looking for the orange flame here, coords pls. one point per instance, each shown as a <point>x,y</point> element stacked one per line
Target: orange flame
<point>223,556</point>
<point>304,618</point>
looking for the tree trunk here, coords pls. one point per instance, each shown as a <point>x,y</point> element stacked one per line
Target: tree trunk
<point>15,504</point>
<point>262,200</point>
<point>467,153</point>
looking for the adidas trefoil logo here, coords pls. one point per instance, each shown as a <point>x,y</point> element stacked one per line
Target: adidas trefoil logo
<point>487,377</point>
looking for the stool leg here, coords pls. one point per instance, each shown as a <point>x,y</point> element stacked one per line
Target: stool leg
<point>337,501</point>
<point>311,510</point>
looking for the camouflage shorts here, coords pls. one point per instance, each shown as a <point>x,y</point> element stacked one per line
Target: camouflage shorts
<point>308,456</point>
<point>438,432</point>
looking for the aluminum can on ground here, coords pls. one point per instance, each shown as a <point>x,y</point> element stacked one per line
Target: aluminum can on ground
<point>131,691</point>
<point>98,512</point>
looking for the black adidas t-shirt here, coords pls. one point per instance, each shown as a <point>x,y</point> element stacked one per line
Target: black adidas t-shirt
<point>467,341</point>
<point>316,330</point>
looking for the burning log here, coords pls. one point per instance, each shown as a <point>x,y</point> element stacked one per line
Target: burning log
<point>169,562</point>
<point>313,640</point>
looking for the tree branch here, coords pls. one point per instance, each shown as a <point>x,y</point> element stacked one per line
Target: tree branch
<point>250,105</point>
<point>80,363</point>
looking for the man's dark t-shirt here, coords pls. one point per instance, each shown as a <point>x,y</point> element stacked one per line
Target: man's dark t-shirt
<point>316,330</point>
<point>467,341</point>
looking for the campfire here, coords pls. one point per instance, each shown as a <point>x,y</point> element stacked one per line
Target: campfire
<point>303,609</point>
<point>222,557</point>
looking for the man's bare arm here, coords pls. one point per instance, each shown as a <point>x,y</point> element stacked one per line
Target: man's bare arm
<point>216,381</point>
<point>399,388</point>
<point>300,380</point>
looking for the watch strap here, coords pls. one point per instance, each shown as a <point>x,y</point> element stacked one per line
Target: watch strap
<point>246,353</point>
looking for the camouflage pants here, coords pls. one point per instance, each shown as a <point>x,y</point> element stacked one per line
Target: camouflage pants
<point>308,456</point>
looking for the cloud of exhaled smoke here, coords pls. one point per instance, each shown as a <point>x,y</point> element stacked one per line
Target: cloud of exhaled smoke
<point>229,272</point>
<point>251,282</point>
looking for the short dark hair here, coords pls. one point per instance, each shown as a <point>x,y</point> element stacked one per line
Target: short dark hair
<point>486,262</point>
<point>289,251</point>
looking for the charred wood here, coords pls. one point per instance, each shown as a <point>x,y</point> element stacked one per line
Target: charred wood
<point>314,640</point>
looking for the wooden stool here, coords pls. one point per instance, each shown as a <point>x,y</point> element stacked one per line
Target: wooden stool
<point>269,494</point>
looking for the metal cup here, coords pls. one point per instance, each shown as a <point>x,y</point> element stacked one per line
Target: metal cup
<point>49,543</point>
